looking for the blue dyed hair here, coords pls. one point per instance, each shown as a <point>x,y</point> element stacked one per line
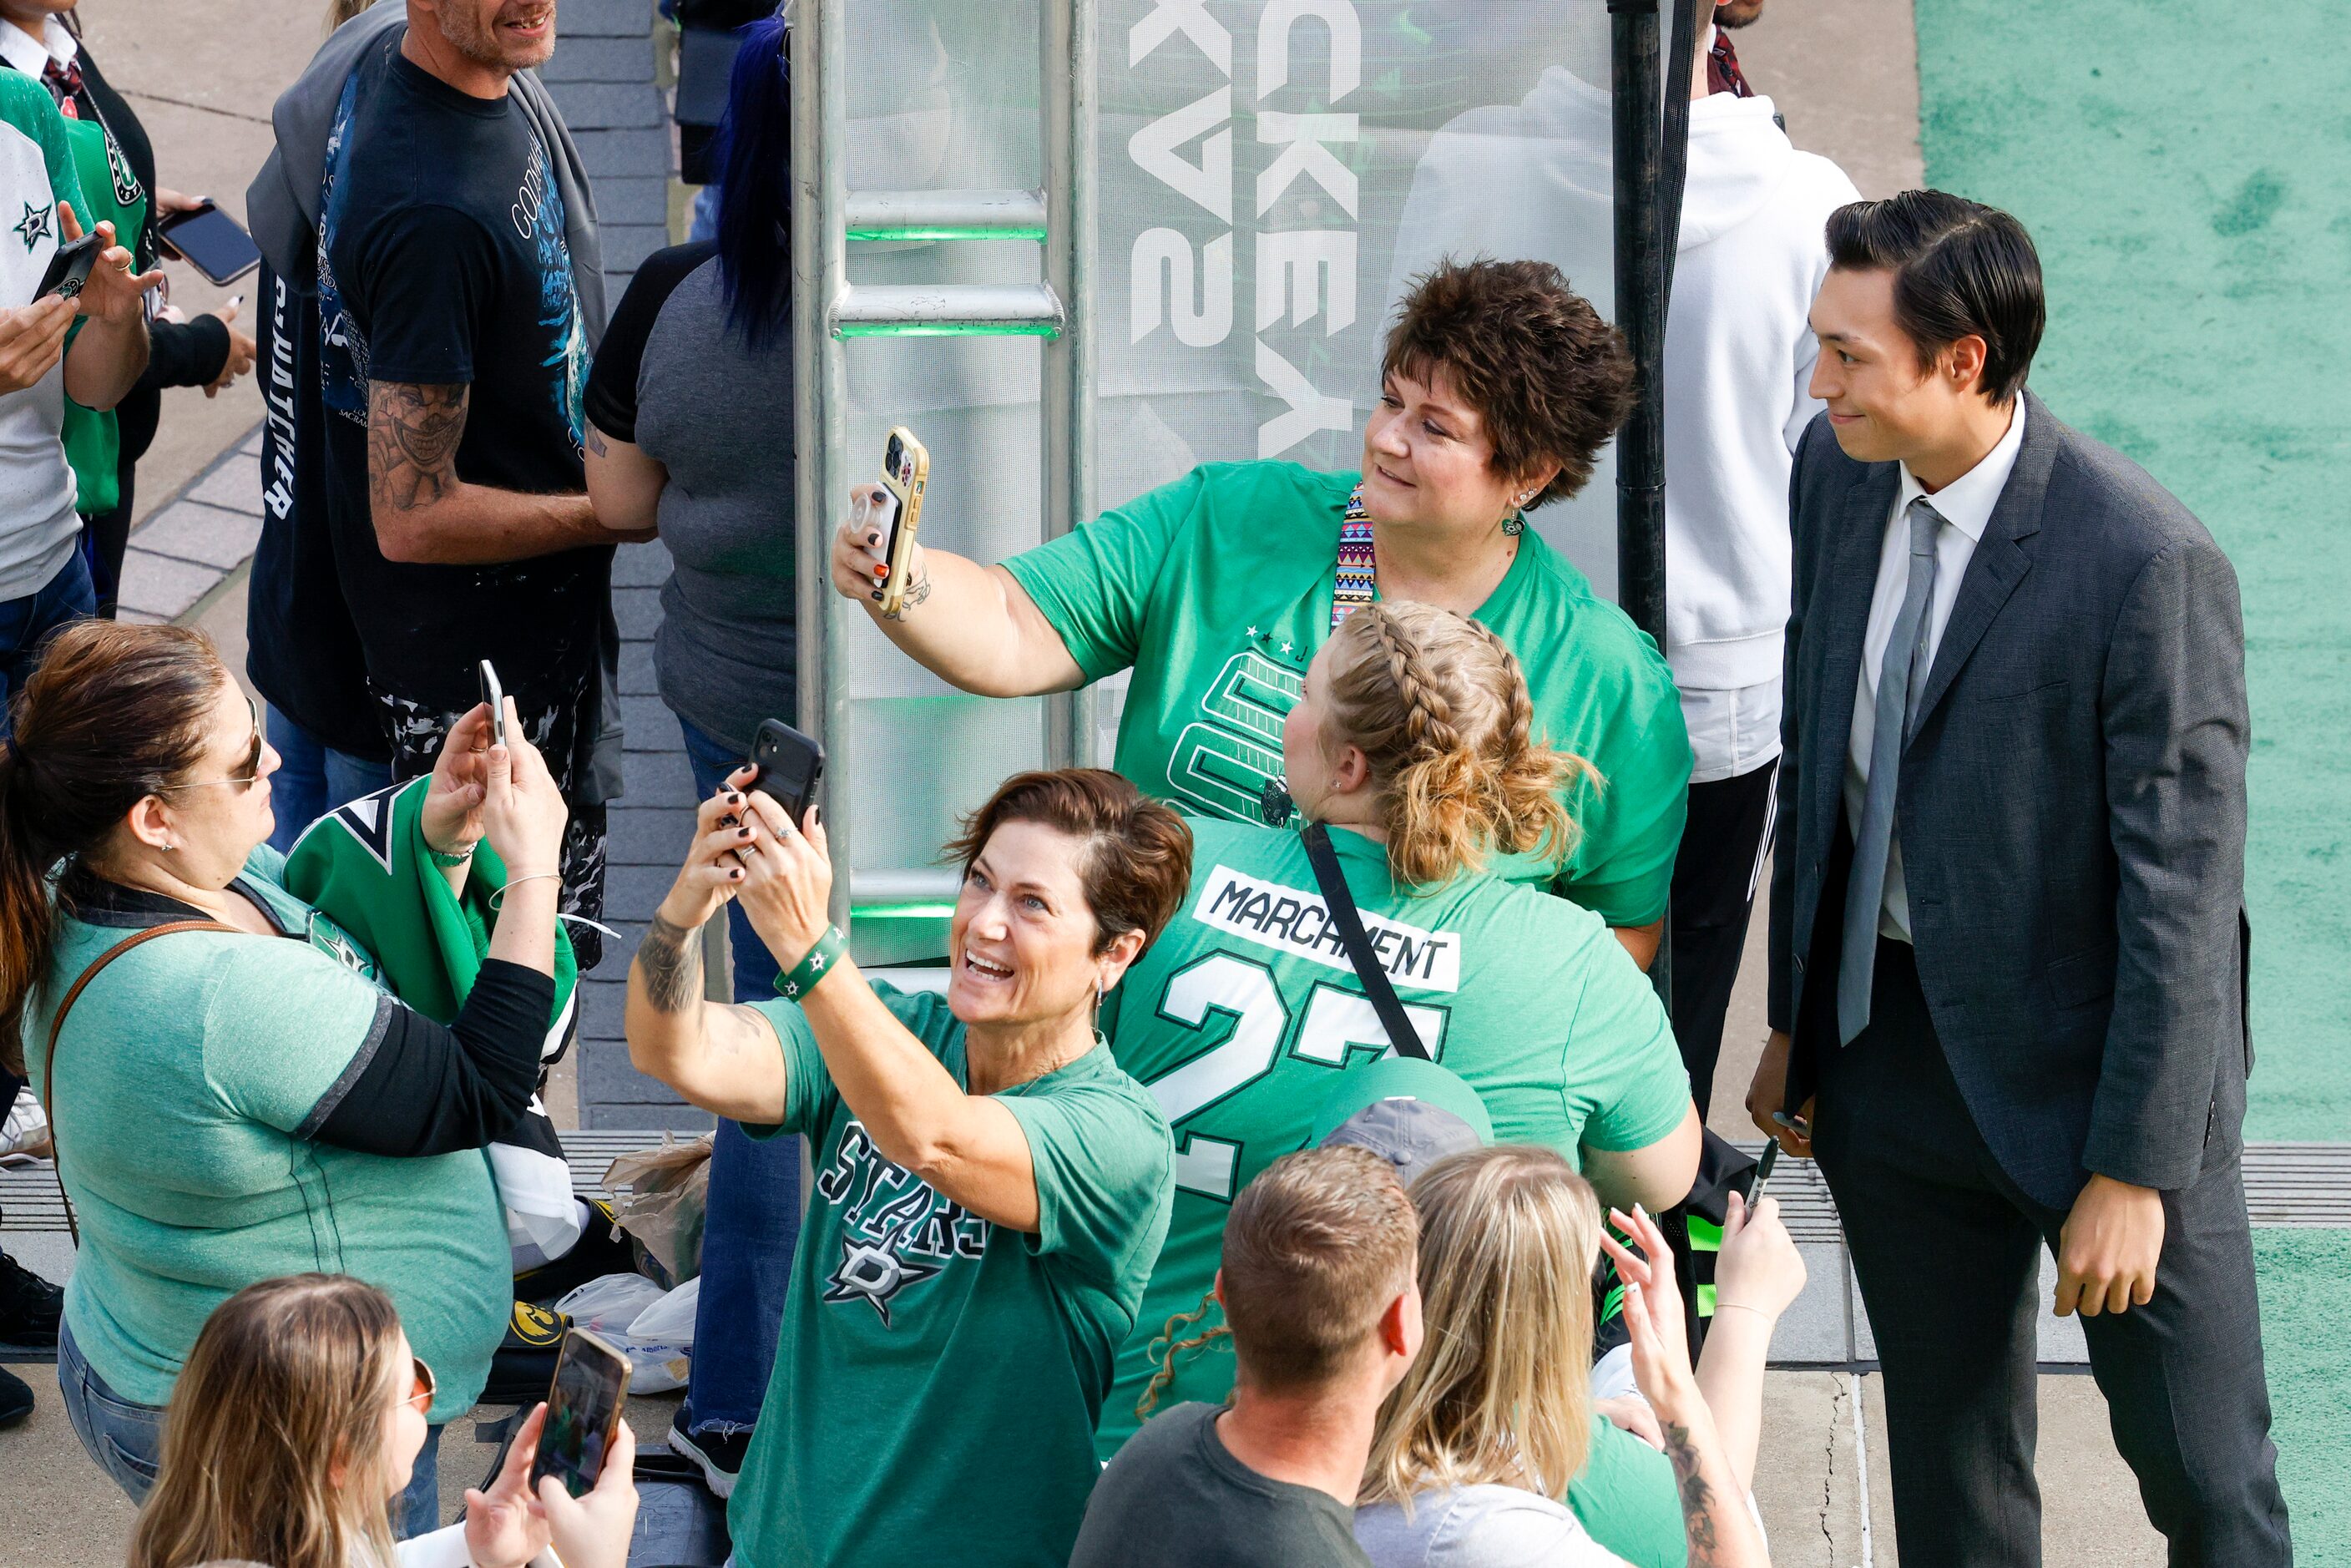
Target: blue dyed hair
<point>755,186</point>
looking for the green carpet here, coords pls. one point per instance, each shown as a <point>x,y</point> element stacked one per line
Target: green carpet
<point>2185,168</point>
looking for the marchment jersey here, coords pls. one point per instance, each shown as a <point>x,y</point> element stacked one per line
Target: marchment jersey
<point>1246,1007</point>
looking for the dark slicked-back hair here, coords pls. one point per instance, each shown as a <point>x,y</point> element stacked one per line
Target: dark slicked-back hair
<point>1961,269</point>
<point>1135,855</point>
<point>1549,378</point>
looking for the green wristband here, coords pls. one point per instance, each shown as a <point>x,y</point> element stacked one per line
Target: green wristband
<point>802,977</point>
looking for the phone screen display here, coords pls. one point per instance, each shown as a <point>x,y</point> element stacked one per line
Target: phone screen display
<point>215,243</point>
<point>583,1410</point>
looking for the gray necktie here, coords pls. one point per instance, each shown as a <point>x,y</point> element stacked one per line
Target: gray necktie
<point>1900,680</point>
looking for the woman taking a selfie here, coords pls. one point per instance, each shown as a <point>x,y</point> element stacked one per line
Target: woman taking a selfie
<point>1490,1451</point>
<point>990,1189</point>
<point>309,1487</point>
<point>1411,749</point>
<point>232,1092</point>
<point>1499,387</point>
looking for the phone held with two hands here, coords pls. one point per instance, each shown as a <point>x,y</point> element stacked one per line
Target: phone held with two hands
<point>905,476</point>
<point>583,1413</point>
<point>68,269</point>
<point>788,764</point>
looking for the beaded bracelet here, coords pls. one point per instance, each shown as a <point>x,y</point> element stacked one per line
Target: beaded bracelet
<point>450,861</point>
<point>802,977</point>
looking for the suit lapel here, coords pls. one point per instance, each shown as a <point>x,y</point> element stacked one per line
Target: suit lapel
<point>1853,578</point>
<point>2000,559</point>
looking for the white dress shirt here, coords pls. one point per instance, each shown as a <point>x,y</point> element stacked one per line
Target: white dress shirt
<point>29,53</point>
<point>1966,504</point>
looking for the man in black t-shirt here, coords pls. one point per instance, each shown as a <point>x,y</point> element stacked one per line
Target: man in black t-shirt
<point>1318,1286</point>
<point>453,358</point>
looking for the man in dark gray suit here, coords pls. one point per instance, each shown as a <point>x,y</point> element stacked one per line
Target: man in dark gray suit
<point>2007,938</point>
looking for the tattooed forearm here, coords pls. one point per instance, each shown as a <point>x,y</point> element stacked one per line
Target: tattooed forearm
<point>1697,1498</point>
<point>412,435</point>
<point>670,958</point>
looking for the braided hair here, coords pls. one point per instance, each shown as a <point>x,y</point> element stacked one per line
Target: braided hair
<point>1439,706</point>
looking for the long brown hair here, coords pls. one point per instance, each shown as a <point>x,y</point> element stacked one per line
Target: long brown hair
<point>114,713</point>
<point>1500,1394</point>
<point>288,1380</point>
<point>1439,707</point>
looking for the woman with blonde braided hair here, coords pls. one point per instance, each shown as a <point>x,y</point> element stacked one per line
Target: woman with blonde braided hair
<point>1413,746</point>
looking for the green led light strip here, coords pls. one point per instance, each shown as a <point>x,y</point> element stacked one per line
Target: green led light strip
<point>946,329</point>
<point>945,231</point>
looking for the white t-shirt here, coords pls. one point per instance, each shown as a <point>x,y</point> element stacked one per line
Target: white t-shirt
<point>1478,1527</point>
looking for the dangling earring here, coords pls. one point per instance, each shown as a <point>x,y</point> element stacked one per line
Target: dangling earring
<point>1516,523</point>
<point>1099,1039</point>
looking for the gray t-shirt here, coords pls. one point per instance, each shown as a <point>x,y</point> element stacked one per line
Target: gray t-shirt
<point>671,377</point>
<point>1478,1527</point>
<point>1176,1497</point>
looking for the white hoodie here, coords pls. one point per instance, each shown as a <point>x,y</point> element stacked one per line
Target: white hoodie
<point>1531,179</point>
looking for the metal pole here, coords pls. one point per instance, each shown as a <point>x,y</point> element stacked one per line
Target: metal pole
<point>821,402</point>
<point>1067,89</point>
<point>1641,248</point>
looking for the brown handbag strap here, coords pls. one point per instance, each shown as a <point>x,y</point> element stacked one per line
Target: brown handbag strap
<point>58,1023</point>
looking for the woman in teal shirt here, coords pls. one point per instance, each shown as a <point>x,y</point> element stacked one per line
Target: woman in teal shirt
<point>234,1093</point>
<point>990,1187</point>
<point>1499,387</point>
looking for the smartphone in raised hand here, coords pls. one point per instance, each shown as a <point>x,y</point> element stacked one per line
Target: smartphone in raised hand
<point>905,474</point>
<point>787,765</point>
<point>583,1411</point>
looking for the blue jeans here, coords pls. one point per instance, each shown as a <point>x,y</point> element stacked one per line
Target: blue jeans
<point>126,1440</point>
<point>25,624</point>
<point>313,779</point>
<point>753,1218</point>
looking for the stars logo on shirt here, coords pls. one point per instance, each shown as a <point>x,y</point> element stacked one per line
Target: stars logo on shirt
<point>896,1229</point>
<point>35,226</point>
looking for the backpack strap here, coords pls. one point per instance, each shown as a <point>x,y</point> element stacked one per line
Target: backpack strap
<point>58,1023</point>
<point>1340,901</point>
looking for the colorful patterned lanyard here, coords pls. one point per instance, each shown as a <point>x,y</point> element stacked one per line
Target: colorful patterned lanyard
<point>1357,583</point>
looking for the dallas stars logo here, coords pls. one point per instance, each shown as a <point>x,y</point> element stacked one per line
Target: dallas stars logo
<point>35,225</point>
<point>895,1230</point>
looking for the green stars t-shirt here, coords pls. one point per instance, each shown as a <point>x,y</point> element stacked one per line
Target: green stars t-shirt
<point>938,1376</point>
<point>1244,1012</point>
<point>1217,590</point>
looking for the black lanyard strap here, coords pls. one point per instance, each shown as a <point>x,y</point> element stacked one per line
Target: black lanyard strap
<point>1348,921</point>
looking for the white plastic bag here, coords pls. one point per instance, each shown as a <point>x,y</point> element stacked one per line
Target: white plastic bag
<point>670,1320</point>
<point>609,1307</point>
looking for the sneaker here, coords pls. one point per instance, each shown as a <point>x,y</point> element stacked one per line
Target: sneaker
<point>717,1454</point>
<point>29,1309</point>
<point>16,1399</point>
<point>25,1133</point>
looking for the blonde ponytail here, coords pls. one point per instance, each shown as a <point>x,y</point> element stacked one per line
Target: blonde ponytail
<point>1439,706</point>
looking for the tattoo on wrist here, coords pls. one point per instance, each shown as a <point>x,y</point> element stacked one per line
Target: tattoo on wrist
<point>1697,1498</point>
<point>671,957</point>
<point>917,591</point>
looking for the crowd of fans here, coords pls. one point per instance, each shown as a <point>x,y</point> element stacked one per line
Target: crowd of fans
<point>1149,1238</point>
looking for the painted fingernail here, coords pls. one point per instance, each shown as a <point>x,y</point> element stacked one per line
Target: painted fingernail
<point>742,832</point>
<point>737,876</point>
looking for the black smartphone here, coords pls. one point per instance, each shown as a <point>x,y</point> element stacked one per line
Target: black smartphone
<point>583,1413</point>
<point>787,765</point>
<point>493,695</point>
<point>210,241</point>
<point>69,267</point>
